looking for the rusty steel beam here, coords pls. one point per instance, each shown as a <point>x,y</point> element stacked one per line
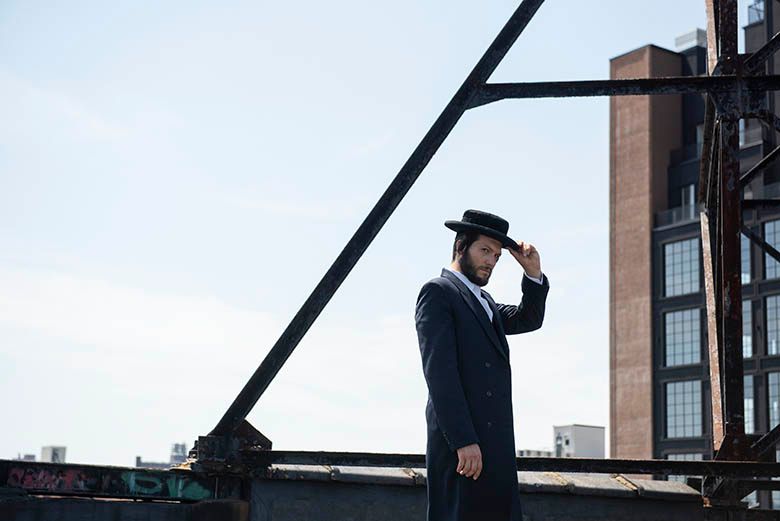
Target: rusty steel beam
<point>765,161</point>
<point>713,179</point>
<point>756,62</point>
<point>730,223</point>
<point>708,142</point>
<point>713,319</point>
<point>493,92</point>
<point>711,10</point>
<point>376,219</point>
<point>766,444</point>
<point>761,243</point>
<point>600,465</point>
<point>727,35</point>
<point>731,284</point>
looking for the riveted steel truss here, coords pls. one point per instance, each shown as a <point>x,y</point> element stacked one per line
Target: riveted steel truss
<point>736,87</point>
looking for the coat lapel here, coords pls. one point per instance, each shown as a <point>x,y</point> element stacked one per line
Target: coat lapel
<point>497,321</point>
<point>478,311</point>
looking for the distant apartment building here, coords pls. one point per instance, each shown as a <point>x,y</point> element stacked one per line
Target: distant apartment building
<point>53,454</point>
<point>572,441</point>
<point>579,441</point>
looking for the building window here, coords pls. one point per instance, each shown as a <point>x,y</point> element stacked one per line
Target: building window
<point>756,12</point>
<point>773,391</point>
<point>772,237</point>
<point>681,263</point>
<point>750,412</point>
<point>773,325</point>
<point>683,409</point>
<point>744,244</point>
<point>683,343</point>
<point>685,456</point>
<point>747,329</point>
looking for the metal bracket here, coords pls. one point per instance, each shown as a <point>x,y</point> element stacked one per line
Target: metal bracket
<point>223,453</point>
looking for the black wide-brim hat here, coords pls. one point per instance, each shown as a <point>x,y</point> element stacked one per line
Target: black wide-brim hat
<point>485,223</point>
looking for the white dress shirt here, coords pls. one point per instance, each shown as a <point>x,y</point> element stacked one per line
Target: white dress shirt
<point>477,291</point>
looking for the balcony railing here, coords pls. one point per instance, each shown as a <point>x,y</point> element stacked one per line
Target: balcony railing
<point>679,215</point>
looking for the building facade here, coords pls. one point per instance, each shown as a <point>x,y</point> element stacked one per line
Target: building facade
<point>659,375</point>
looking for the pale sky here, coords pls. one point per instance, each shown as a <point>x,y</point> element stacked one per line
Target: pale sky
<point>176,177</point>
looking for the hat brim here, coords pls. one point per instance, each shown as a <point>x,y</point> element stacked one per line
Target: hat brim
<point>460,226</point>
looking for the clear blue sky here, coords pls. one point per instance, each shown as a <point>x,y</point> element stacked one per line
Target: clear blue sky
<point>176,177</point>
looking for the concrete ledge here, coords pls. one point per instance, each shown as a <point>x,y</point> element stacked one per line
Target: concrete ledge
<point>617,486</point>
<point>550,482</point>
<point>300,472</point>
<point>374,475</point>
<point>668,490</point>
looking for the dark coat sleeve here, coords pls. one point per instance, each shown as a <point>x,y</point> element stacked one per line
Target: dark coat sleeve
<point>438,347</point>
<point>529,315</point>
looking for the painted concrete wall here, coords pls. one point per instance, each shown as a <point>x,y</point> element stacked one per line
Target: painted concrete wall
<point>319,493</point>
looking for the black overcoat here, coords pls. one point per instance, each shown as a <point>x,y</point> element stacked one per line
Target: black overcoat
<point>465,359</point>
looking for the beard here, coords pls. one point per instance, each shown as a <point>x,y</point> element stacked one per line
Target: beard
<point>471,270</point>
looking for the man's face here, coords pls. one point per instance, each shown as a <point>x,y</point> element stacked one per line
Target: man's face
<point>478,261</point>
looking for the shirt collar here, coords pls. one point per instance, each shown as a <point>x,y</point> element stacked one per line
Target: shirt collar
<point>475,289</point>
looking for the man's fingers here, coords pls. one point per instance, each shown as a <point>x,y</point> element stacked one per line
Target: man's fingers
<point>476,467</point>
<point>525,248</point>
<point>460,464</point>
<point>463,464</point>
<point>464,467</point>
<point>479,469</point>
<point>469,470</point>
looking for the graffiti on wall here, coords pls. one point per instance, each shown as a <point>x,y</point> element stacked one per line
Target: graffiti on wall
<point>119,482</point>
<point>139,484</point>
<point>49,479</point>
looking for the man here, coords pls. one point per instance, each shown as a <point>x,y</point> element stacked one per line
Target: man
<point>470,454</point>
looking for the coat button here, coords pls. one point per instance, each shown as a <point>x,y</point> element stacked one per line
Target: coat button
<point>487,364</point>
<point>490,424</point>
<point>489,394</point>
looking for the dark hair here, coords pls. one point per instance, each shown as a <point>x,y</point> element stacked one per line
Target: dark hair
<point>463,240</point>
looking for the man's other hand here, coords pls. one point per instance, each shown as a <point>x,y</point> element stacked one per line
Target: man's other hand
<point>470,461</point>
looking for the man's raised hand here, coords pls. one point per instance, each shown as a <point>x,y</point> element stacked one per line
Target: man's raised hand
<point>528,258</point>
<point>470,461</point>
